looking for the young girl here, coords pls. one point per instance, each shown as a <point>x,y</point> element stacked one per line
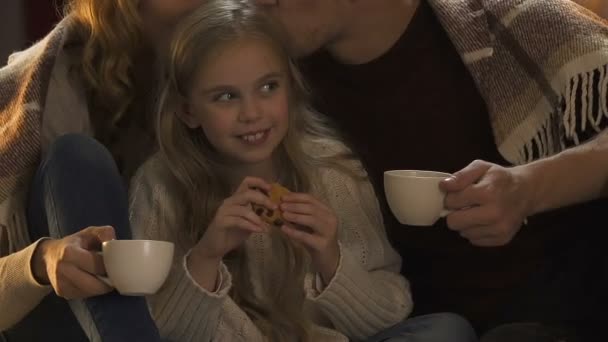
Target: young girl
<point>233,119</point>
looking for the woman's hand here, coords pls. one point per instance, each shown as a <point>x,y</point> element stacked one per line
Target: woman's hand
<point>70,265</point>
<point>315,226</point>
<point>232,225</point>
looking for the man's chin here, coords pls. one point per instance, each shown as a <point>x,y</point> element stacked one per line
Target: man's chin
<point>299,52</point>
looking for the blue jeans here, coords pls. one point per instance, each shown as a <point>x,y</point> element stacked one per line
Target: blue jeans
<point>440,327</point>
<point>76,186</point>
<point>530,332</point>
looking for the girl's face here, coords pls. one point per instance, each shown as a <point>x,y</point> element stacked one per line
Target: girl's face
<point>240,99</point>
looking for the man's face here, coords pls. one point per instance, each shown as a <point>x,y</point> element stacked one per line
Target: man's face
<point>309,24</point>
<point>167,12</point>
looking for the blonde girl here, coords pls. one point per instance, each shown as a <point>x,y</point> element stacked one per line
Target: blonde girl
<point>233,119</point>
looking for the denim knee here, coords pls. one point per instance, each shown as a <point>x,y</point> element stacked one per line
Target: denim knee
<point>461,329</point>
<point>453,327</point>
<point>77,153</point>
<point>528,332</point>
<point>439,327</point>
<point>78,185</point>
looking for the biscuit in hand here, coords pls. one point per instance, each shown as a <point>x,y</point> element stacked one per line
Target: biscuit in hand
<point>272,217</point>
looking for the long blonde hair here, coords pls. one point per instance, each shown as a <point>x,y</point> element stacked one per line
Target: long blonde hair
<point>109,34</point>
<point>197,170</point>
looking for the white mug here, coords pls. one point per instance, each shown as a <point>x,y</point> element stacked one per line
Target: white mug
<point>414,196</point>
<point>137,267</point>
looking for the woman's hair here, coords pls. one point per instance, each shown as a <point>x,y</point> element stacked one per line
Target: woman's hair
<point>109,36</point>
<point>197,169</point>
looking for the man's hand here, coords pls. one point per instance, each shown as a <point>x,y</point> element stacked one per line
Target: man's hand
<point>489,202</point>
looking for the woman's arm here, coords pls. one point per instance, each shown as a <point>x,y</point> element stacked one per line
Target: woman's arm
<point>20,293</point>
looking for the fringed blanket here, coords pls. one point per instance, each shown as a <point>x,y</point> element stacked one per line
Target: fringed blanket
<point>541,66</point>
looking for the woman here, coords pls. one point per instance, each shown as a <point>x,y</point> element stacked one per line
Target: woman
<point>90,75</point>
<point>598,6</point>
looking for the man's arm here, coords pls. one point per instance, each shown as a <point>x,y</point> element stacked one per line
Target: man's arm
<point>490,202</point>
<point>573,176</point>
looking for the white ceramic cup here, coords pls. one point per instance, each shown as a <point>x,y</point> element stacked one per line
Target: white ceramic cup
<point>137,267</point>
<point>414,196</point>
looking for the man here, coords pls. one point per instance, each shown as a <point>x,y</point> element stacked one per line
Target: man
<point>436,84</point>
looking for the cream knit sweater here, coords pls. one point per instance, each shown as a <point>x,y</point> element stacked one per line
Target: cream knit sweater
<point>366,295</point>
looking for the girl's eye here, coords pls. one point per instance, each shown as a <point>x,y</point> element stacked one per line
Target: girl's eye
<point>224,97</point>
<point>270,86</point>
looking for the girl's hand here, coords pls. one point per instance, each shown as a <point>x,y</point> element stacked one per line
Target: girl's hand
<point>233,223</point>
<point>235,220</point>
<point>313,224</point>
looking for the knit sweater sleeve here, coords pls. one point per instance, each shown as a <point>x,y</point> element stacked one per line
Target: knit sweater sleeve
<point>20,293</point>
<point>182,310</point>
<point>367,294</point>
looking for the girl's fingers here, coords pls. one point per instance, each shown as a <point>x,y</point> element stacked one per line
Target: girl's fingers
<point>242,224</point>
<point>304,220</point>
<point>297,197</point>
<point>251,197</point>
<point>250,183</point>
<point>298,208</point>
<point>294,198</point>
<point>305,238</point>
<point>244,212</point>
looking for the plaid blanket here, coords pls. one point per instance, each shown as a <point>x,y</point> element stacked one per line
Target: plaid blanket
<point>23,88</point>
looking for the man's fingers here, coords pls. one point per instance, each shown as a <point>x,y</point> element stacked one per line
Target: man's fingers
<point>489,242</point>
<point>465,177</point>
<point>477,233</point>
<point>474,216</point>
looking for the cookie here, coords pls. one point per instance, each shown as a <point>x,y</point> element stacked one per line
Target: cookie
<point>272,217</point>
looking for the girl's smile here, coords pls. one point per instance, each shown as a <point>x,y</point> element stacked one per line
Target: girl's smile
<point>255,138</point>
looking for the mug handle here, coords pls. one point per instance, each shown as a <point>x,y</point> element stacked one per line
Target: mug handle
<point>104,278</point>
